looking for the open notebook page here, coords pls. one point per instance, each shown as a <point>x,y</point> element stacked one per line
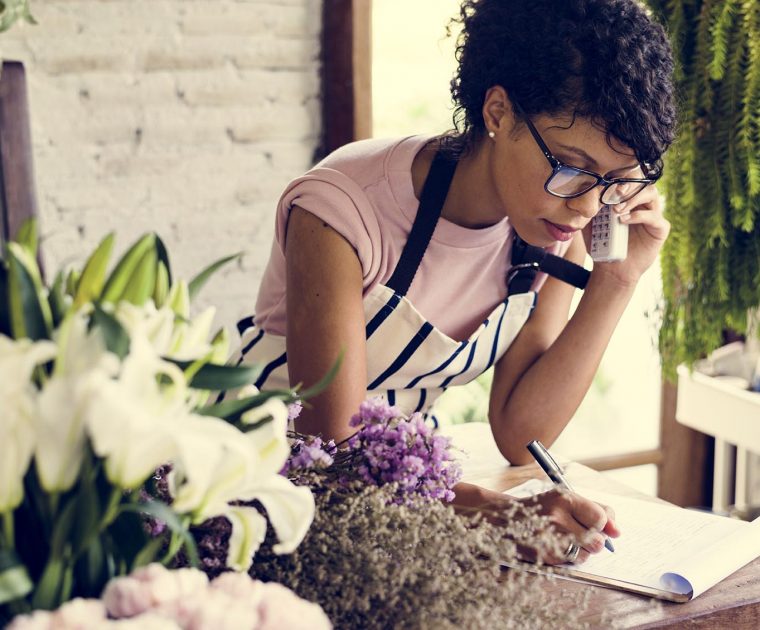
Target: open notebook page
<point>665,547</point>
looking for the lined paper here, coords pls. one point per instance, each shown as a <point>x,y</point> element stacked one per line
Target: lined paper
<point>661,546</point>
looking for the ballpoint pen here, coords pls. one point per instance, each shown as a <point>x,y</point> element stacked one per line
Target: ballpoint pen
<point>554,471</point>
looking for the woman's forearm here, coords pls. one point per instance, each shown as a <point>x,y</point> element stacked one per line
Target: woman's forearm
<point>547,395</point>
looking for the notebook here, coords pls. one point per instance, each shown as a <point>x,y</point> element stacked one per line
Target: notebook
<point>664,551</point>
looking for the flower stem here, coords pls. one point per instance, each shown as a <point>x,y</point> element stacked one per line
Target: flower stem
<point>8,531</point>
<point>112,509</point>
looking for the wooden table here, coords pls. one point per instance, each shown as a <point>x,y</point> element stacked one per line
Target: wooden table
<point>733,603</point>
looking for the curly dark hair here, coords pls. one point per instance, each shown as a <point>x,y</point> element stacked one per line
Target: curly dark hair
<point>605,60</point>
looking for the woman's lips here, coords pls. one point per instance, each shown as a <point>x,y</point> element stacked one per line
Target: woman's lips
<point>559,232</point>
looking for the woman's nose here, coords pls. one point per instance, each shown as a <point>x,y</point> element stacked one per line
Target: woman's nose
<point>587,205</point>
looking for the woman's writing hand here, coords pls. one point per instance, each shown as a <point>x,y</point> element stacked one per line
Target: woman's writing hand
<point>571,519</point>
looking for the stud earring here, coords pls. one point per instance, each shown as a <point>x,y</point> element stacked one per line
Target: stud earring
<point>491,134</point>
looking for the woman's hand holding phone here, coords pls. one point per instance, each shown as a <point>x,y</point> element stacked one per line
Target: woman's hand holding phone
<point>648,229</point>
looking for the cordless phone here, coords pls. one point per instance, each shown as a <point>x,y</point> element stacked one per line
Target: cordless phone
<point>609,237</point>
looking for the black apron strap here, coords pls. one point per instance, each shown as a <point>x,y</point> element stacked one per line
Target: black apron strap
<point>528,260</point>
<point>433,195</point>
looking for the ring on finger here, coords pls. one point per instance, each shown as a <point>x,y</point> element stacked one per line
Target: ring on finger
<point>571,555</point>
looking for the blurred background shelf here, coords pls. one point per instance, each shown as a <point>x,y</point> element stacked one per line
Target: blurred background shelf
<point>732,416</point>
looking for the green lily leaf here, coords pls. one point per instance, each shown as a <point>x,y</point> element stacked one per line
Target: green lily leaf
<point>121,276</point>
<point>221,377</point>
<point>163,257</point>
<point>161,290</point>
<point>164,513</point>
<point>149,553</point>
<point>29,315</point>
<point>143,281</point>
<point>27,237</point>
<point>58,300</point>
<point>93,277</point>
<point>232,410</point>
<point>116,337</point>
<point>14,578</point>
<point>127,537</point>
<point>63,528</point>
<point>197,283</point>
<point>47,594</point>
<point>92,569</point>
<point>72,281</point>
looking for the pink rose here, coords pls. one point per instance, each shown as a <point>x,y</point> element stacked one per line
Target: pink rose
<point>281,609</point>
<point>146,621</point>
<point>79,614</point>
<point>155,587</point>
<point>220,610</point>
<point>240,586</point>
<point>38,620</point>
<point>126,597</point>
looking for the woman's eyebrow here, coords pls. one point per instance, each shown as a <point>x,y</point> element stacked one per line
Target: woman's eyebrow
<point>591,161</point>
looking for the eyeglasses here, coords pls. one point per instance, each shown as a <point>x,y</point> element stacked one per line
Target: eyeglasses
<point>569,182</point>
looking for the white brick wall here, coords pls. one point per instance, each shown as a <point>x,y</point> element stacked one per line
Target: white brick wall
<point>186,117</point>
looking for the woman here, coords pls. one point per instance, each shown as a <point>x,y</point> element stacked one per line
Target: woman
<point>396,251</point>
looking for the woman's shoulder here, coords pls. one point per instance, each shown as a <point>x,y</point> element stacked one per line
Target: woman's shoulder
<point>367,161</point>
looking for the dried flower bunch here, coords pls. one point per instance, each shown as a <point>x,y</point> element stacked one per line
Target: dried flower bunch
<point>372,563</point>
<point>385,550</point>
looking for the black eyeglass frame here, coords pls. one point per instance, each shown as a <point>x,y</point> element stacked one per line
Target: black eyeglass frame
<point>558,165</point>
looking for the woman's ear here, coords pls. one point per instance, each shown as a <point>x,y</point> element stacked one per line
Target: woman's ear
<point>497,110</point>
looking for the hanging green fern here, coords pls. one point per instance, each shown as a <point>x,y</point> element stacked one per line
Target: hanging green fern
<point>711,262</point>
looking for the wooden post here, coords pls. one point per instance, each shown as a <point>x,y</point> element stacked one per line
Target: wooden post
<point>685,471</point>
<point>346,73</point>
<point>17,198</point>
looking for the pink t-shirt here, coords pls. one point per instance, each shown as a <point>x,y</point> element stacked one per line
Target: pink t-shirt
<point>364,191</point>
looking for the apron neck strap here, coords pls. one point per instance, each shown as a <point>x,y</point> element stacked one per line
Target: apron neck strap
<point>527,260</point>
<point>433,195</point>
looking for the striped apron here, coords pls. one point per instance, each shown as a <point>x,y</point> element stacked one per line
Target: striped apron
<point>409,361</point>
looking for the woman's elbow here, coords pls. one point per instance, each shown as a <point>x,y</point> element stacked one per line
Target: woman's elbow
<point>511,445</point>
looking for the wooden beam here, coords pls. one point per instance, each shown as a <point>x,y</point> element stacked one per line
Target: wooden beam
<point>346,73</point>
<point>624,460</point>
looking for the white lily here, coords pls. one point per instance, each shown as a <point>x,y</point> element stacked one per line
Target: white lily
<point>157,325</point>
<point>172,336</point>
<point>218,464</point>
<point>61,405</point>
<point>270,439</point>
<point>133,420</point>
<point>18,359</point>
<point>290,508</point>
<point>213,463</point>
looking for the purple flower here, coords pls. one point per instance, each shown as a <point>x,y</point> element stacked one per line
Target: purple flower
<point>309,453</point>
<point>375,409</point>
<point>294,410</point>
<point>386,449</point>
<point>389,448</point>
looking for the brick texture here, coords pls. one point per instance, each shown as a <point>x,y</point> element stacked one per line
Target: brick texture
<point>187,117</point>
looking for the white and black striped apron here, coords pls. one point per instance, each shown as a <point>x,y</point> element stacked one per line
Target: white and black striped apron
<point>410,362</point>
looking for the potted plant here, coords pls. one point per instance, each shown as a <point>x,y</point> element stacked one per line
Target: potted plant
<point>711,262</point>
